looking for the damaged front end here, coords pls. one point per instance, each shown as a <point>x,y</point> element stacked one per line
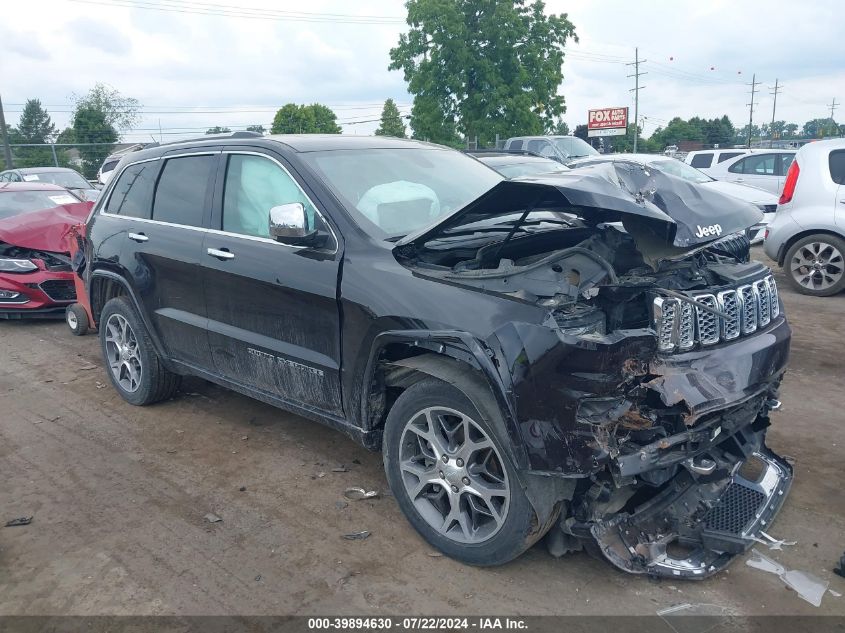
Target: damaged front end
<point>650,372</point>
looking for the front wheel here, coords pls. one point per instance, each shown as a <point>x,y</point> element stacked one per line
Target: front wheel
<point>451,478</point>
<point>815,265</point>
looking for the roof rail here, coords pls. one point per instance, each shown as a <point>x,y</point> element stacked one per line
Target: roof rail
<point>211,137</point>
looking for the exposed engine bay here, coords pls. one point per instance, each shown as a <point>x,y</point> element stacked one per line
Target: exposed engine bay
<point>55,262</point>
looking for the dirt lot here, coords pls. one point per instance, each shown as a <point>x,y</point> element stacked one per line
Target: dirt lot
<point>119,496</point>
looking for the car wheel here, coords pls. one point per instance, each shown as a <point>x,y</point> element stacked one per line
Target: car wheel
<point>815,265</point>
<point>132,364</point>
<point>77,319</point>
<point>451,478</point>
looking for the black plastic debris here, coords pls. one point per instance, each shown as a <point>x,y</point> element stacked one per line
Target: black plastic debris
<point>839,571</point>
<point>19,521</point>
<point>357,536</point>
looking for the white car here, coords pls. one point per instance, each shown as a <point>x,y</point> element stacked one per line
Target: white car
<point>761,168</point>
<point>807,235</point>
<point>705,159</point>
<point>763,200</point>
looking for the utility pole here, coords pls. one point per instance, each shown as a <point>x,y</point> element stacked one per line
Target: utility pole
<point>7,151</point>
<point>636,90</point>
<point>833,106</point>
<point>754,83</point>
<point>775,90</point>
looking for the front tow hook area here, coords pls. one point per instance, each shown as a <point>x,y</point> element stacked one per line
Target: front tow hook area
<point>701,520</point>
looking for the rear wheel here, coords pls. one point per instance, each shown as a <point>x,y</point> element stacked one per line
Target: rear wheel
<point>815,265</point>
<point>452,479</point>
<point>132,364</point>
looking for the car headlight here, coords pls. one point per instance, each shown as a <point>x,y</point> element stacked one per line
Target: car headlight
<point>8,265</point>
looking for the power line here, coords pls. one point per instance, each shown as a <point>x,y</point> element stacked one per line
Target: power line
<point>201,8</point>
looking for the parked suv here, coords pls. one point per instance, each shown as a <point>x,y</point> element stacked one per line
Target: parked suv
<point>559,148</point>
<point>525,366</point>
<point>807,235</point>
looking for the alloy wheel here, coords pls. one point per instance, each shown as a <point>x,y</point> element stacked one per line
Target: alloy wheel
<point>454,475</point>
<point>817,265</point>
<point>122,352</point>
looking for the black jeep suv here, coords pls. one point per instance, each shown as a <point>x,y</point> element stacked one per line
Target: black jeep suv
<point>588,355</point>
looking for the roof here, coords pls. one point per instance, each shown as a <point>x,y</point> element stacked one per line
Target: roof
<point>512,159</point>
<point>41,170</point>
<point>29,186</point>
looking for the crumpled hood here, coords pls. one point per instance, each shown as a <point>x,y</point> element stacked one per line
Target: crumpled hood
<point>45,230</point>
<point>667,212</point>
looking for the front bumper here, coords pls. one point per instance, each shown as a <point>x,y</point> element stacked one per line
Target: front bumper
<point>697,524</point>
<point>40,294</point>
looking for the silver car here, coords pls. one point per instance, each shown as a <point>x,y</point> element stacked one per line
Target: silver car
<point>807,235</point>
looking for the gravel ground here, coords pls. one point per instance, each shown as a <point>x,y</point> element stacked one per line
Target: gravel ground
<point>119,495</point>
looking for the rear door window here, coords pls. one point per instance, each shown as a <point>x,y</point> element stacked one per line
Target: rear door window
<point>702,160</point>
<point>755,165</point>
<point>517,144</point>
<point>837,166</point>
<point>180,197</point>
<point>132,195</point>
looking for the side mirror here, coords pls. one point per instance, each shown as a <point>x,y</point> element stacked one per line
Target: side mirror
<point>289,225</point>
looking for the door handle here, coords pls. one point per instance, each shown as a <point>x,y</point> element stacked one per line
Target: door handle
<point>138,237</point>
<point>221,254</point>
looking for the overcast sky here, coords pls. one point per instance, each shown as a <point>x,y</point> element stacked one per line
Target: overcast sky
<point>191,71</point>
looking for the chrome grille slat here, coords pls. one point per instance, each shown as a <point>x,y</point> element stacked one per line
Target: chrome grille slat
<point>709,327</point>
<point>680,325</point>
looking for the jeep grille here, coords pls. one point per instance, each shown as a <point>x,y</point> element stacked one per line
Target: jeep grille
<point>681,326</point>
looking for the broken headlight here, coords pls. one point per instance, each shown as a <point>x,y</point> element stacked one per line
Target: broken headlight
<point>579,320</point>
<point>9,265</point>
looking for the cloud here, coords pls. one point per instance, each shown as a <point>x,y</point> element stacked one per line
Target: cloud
<point>99,35</point>
<point>23,43</point>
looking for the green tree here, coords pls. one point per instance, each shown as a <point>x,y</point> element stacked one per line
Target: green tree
<point>482,67</point>
<point>119,112</point>
<point>581,132</point>
<point>790,130</point>
<point>217,130</point>
<point>559,128</point>
<point>34,127</point>
<point>95,135</point>
<point>391,121</point>
<point>625,143</point>
<point>255,128</point>
<point>305,119</point>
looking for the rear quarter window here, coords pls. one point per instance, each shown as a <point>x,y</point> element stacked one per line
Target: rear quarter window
<point>133,193</point>
<point>702,160</point>
<point>728,155</point>
<point>837,166</point>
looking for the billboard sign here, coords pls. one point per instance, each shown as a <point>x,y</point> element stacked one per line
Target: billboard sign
<point>607,121</point>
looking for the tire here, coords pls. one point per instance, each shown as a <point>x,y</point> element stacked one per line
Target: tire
<point>137,372</point>
<point>815,265</point>
<point>476,539</point>
<point>77,319</point>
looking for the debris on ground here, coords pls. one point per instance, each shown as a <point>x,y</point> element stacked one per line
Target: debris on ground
<point>340,469</point>
<point>356,494</point>
<point>212,518</point>
<point>840,571</point>
<point>242,489</point>
<point>258,577</point>
<point>773,543</point>
<point>86,367</point>
<point>244,438</point>
<point>19,521</point>
<point>435,554</point>
<point>341,505</point>
<point>696,618</point>
<point>356,461</point>
<point>357,536</point>
<point>809,587</point>
<point>835,594</point>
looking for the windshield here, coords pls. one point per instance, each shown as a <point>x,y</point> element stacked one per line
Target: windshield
<point>392,192</point>
<point>529,168</point>
<point>574,147</point>
<point>18,202</point>
<point>681,170</point>
<point>66,179</point>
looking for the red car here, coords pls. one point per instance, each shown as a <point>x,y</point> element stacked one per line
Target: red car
<point>36,279</point>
